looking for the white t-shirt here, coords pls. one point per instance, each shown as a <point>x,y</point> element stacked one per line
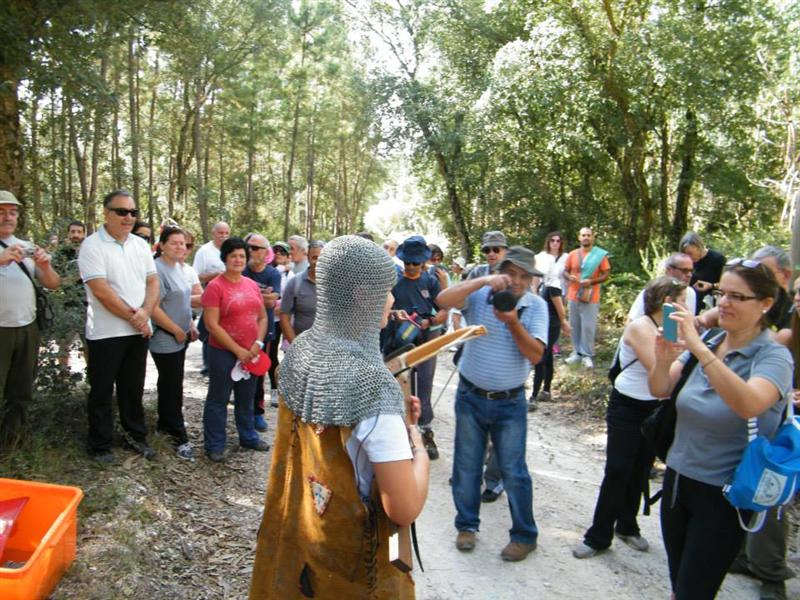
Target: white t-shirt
<point>637,310</point>
<point>192,278</point>
<point>207,259</point>
<point>126,267</point>
<point>17,297</point>
<point>378,439</point>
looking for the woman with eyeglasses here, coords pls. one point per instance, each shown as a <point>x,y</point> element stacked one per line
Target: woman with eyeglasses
<point>234,314</point>
<point>174,330</point>
<point>742,374</point>
<point>628,458</point>
<point>550,261</point>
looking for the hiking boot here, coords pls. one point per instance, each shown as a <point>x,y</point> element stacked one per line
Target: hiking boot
<point>773,590</point>
<point>185,451</point>
<point>587,362</point>
<point>573,358</point>
<point>516,551</point>
<point>217,456</point>
<point>142,448</point>
<point>260,446</point>
<point>430,445</point>
<point>260,423</point>
<point>465,541</point>
<point>104,457</point>
<point>583,550</point>
<point>636,542</point>
<point>490,495</point>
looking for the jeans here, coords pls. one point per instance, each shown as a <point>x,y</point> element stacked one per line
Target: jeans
<point>628,463</point>
<point>215,412</point>
<point>120,362</point>
<point>701,535</point>
<point>583,323</point>
<point>170,394</point>
<point>423,387</point>
<point>505,421</point>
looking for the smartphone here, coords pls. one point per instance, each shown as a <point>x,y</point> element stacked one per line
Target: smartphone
<point>669,327</point>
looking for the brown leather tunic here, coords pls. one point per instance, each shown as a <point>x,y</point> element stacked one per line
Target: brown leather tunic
<point>317,536</point>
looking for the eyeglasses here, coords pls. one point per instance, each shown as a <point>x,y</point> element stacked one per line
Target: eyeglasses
<point>744,262</point>
<point>491,250</point>
<point>733,297</point>
<point>685,271</point>
<point>255,248</point>
<point>121,212</point>
<point>281,251</point>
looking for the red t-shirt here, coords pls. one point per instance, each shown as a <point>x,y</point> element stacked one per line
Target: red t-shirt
<point>239,306</point>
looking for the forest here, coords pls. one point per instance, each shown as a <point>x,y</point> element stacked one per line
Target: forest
<point>644,118</point>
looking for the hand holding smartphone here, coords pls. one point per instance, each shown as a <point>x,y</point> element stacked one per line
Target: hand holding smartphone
<point>669,328</point>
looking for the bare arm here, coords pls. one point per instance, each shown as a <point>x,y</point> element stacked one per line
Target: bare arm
<point>262,324</point>
<point>211,320</point>
<point>197,294</point>
<point>455,296</point>
<point>286,327</point>
<point>161,319</point>
<point>529,346</point>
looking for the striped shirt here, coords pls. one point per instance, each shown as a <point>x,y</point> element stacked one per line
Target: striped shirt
<point>494,362</point>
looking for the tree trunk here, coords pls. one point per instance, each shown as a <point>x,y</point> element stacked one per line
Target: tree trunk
<point>685,179</point>
<point>34,161</point>
<point>150,147</point>
<point>80,165</point>
<point>663,188</point>
<point>202,200</point>
<point>97,135</point>
<point>116,161</point>
<point>133,114</point>
<point>11,151</point>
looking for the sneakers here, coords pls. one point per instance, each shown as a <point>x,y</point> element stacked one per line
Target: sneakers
<point>584,551</point>
<point>490,495</point>
<point>516,551</point>
<point>544,396</point>
<point>260,446</point>
<point>104,458</point>
<point>273,398</point>
<point>217,456</point>
<point>573,359</point>
<point>533,404</point>
<point>430,445</point>
<point>465,541</point>
<point>636,542</point>
<point>261,423</point>
<point>587,362</point>
<point>773,590</point>
<point>185,451</point>
<point>142,448</point>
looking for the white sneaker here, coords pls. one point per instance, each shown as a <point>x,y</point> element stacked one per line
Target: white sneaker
<point>587,362</point>
<point>573,358</point>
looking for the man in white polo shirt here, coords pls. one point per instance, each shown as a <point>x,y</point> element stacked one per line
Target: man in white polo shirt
<point>122,289</point>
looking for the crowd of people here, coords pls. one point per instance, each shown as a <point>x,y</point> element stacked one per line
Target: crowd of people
<point>352,443</point>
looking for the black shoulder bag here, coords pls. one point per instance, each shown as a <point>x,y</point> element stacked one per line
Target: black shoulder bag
<point>44,312</point>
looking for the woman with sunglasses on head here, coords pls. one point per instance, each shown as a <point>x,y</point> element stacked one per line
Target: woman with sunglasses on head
<point>174,330</point>
<point>742,374</point>
<point>550,261</point>
<point>234,314</point>
<point>628,458</point>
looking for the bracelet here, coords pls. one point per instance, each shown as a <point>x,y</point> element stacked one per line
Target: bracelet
<point>708,363</point>
<point>260,344</point>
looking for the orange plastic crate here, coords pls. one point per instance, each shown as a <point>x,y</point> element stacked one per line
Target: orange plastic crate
<point>44,537</point>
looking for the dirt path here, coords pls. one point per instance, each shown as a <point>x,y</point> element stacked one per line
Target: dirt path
<point>175,529</point>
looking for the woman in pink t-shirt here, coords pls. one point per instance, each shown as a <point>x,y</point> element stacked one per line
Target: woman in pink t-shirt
<point>234,314</point>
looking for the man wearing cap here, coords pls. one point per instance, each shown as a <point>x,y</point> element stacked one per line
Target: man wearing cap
<point>586,268</point>
<point>19,334</point>
<point>415,292</point>
<point>493,246</point>
<point>490,401</point>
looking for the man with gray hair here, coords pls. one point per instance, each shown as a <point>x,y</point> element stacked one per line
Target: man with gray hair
<point>299,302</point>
<point>207,262</point>
<point>708,265</point>
<point>678,266</point>
<point>298,253</point>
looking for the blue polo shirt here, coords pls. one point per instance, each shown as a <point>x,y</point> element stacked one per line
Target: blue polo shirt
<point>494,362</point>
<point>417,295</point>
<point>269,277</point>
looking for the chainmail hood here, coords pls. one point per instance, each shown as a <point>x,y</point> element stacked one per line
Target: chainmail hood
<point>333,373</point>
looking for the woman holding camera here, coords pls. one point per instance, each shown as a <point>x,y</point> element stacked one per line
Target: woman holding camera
<point>628,459</point>
<point>745,375</point>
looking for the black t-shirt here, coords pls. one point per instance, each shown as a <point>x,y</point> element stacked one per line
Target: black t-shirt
<point>780,315</point>
<point>709,268</point>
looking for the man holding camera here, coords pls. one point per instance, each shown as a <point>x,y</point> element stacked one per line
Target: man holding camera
<point>20,262</point>
<point>490,400</point>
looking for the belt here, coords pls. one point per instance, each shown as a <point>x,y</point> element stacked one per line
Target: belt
<point>497,395</point>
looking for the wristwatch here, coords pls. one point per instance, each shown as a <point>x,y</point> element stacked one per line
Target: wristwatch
<point>260,344</point>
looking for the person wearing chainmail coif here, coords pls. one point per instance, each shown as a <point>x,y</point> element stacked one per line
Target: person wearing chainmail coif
<point>343,466</point>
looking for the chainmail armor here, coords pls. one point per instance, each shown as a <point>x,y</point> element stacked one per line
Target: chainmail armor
<point>333,373</point>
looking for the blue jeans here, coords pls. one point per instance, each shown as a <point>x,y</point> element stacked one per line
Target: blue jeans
<point>215,412</point>
<point>506,421</point>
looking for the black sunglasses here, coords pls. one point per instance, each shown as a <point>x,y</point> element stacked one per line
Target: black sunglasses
<point>492,249</point>
<point>415,264</point>
<point>146,238</point>
<point>121,212</point>
<point>255,248</point>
